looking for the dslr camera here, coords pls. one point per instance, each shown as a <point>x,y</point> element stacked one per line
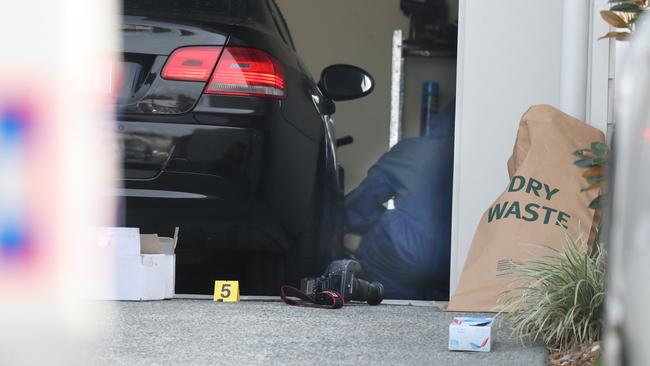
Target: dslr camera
<point>345,277</point>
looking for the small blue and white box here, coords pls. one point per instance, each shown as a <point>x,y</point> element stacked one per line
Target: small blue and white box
<point>470,334</point>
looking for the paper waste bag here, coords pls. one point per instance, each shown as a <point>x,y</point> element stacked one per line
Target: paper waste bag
<point>542,196</point>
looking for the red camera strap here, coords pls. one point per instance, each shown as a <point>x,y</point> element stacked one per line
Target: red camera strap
<point>324,299</point>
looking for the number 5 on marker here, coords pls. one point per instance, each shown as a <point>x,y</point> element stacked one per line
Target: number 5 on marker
<point>226,291</point>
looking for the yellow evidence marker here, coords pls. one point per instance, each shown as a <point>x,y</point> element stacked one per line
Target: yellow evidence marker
<point>226,291</point>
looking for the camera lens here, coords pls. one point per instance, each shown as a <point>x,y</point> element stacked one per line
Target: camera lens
<point>373,293</point>
<point>376,293</point>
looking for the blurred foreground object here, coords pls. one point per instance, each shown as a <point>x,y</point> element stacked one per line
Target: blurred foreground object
<point>623,16</point>
<point>56,163</point>
<point>629,295</point>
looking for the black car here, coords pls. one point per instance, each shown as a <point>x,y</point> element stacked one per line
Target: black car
<point>224,133</point>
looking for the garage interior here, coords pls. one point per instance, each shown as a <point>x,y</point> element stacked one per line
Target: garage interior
<point>363,36</point>
<point>428,55</point>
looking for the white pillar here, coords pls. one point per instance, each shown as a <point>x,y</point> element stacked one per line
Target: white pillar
<point>575,51</point>
<point>500,74</point>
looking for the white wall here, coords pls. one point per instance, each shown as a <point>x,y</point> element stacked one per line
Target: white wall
<point>355,32</point>
<point>509,59</point>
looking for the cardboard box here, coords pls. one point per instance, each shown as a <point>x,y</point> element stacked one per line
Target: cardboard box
<point>141,266</point>
<point>470,334</point>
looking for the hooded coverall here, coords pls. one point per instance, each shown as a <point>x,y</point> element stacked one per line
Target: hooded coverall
<point>408,249</point>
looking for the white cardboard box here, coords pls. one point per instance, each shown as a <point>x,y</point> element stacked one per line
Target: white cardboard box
<point>470,334</point>
<point>140,266</point>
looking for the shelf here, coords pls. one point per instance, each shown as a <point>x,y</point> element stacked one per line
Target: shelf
<point>420,50</point>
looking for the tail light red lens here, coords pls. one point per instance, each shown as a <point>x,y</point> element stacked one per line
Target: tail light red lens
<point>247,71</point>
<point>191,63</point>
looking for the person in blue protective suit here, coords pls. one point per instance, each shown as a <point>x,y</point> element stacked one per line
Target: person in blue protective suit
<point>407,248</point>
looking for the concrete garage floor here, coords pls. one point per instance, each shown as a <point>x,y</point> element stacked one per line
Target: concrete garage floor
<point>202,332</point>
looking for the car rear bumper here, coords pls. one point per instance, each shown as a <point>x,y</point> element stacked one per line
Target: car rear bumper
<point>173,161</point>
<point>202,178</point>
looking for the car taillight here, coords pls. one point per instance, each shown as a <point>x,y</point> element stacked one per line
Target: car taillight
<point>247,71</point>
<point>191,63</point>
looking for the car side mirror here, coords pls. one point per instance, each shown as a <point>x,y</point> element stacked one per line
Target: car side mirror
<point>345,82</point>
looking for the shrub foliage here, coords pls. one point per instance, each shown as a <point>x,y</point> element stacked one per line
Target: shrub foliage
<point>561,298</point>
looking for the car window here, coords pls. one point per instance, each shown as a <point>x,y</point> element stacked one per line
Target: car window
<point>187,9</point>
<point>281,23</point>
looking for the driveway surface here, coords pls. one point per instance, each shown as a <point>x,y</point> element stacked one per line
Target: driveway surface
<point>203,332</point>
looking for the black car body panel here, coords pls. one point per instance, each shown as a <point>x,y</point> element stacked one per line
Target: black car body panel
<point>236,173</point>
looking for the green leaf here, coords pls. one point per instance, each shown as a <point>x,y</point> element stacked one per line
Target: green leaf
<point>584,162</point>
<point>594,180</point>
<point>600,162</point>
<point>627,8</point>
<point>579,153</point>
<point>599,149</point>
<point>597,203</point>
